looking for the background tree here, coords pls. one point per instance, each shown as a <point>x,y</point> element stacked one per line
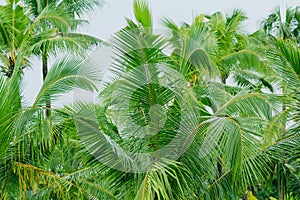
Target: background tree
<point>64,37</point>
<point>283,25</point>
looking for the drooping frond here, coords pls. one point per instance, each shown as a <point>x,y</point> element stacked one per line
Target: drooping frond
<point>66,74</point>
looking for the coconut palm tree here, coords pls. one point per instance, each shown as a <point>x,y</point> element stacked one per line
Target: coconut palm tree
<point>284,56</point>
<point>226,50</point>
<point>167,127</point>
<point>64,36</point>
<point>12,29</point>
<point>283,25</point>
<point>236,121</point>
<point>20,35</point>
<point>31,142</point>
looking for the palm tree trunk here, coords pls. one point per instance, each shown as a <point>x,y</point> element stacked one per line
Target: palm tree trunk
<point>45,72</point>
<point>12,72</point>
<point>282,182</point>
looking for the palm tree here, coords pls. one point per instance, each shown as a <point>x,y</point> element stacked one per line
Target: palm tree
<point>284,56</point>
<point>226,50</point>
<point>167,126</point>
<point>12,30</point>
<point>20,35</point>
<point>237,120</point>
<point>31,142</point>
<point>283,25</point>
<point>64,37</point>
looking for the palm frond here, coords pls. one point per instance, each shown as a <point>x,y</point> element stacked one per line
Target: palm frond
<point>65,75</point>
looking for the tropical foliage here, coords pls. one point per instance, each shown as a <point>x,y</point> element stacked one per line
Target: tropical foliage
<point>205,111</point>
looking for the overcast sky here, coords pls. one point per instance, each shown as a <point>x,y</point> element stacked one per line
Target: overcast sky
<point>111,17</point>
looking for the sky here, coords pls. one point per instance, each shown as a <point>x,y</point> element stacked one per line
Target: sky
<point>111,17</point>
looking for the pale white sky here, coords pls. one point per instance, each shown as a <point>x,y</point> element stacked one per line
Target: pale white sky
<point>111,17</point>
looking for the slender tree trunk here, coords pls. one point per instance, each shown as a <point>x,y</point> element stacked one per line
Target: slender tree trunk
<point>282,182</point>
<point>220,169</point>
<point>45,65</point>
<point>45,72</point>
<point>11,72</point>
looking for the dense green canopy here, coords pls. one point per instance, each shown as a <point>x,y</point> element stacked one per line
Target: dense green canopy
<point>190,111</point>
